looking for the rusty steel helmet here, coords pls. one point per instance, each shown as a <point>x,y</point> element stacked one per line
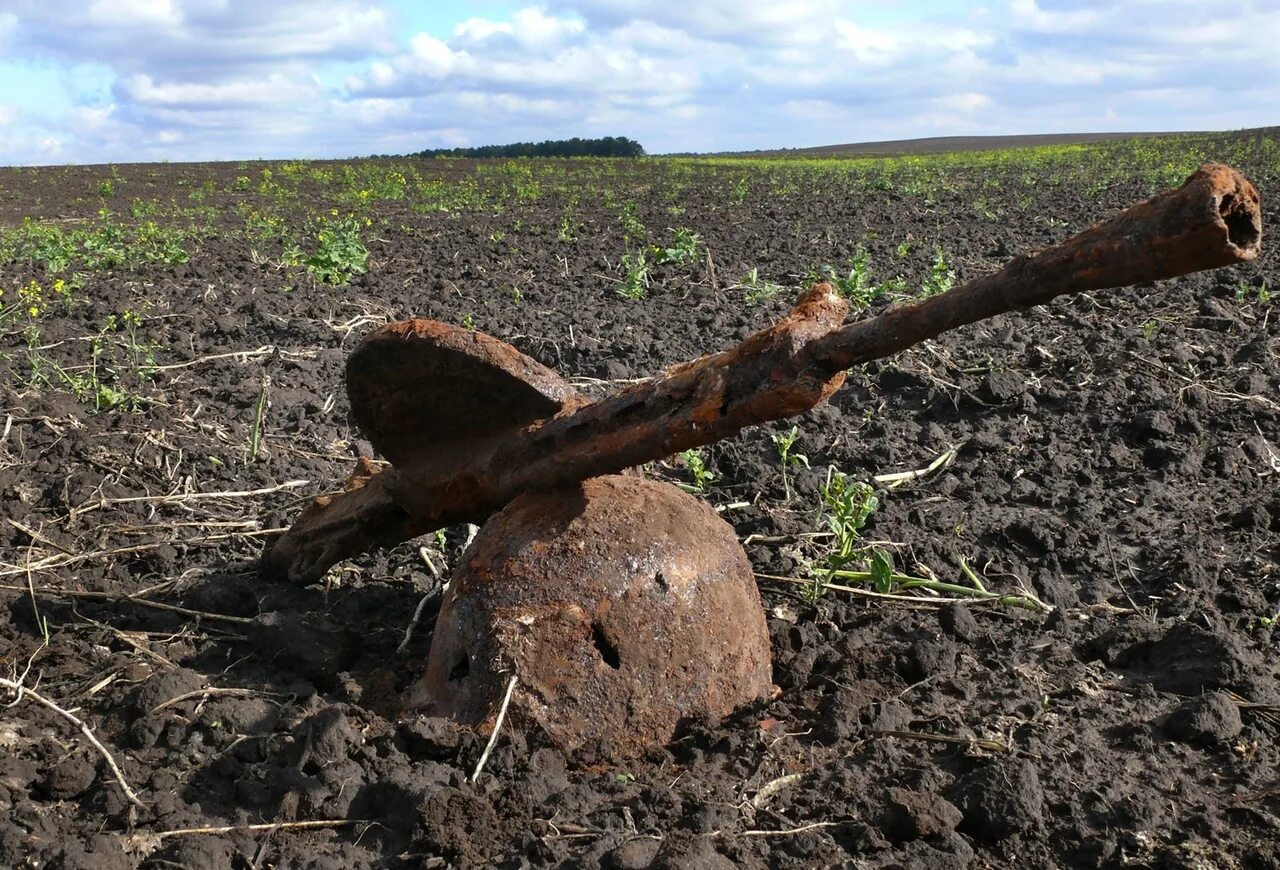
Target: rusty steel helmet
<point>622,606</point>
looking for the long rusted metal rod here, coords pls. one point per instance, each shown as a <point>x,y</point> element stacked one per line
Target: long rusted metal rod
<point>1213,220</point>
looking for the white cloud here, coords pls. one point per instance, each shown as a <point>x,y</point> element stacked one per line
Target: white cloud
<point>275,89</point>
<point>233,78</point>
<point>8,24</point>
<point>8,114</point>
<point>430,57</point>
<point>866,46</point>
<point>531,26</point>
<point>814,110</point>
<point>791,22</point>
<point>202,39</point>
<point>970,101</point>
<point>1027,14</point>
<point>125,13</point>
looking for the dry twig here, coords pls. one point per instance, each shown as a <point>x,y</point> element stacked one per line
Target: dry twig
<point>497,726</point>
<point>21,690</point>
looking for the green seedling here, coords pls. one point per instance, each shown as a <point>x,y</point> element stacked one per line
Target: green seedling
<point>635,284</point>
<point>685,248</point>
<point>1247,293</point>
<point>855,284</point>
<point>570,230</point>
<point>632,229</point>
<point>120,364</point>
<point>758,289</point>
<point>885,580</point>
<point>787,457</point>
<point>259,416</point>
<point>846,507</point>
<point>339,255</point>
<point>941,276</point>
<point>697,465</point>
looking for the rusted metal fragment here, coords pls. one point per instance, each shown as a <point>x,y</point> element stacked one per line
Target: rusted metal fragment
<point>417,385</point>
<point>622,606</point>
<point>764,378</point>
<point>1212,220</point>
<point>337,526</point>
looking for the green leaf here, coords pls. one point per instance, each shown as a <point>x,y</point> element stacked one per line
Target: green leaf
<point>882,572</point>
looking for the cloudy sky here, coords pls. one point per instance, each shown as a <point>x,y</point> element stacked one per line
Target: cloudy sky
<point>130,80</point>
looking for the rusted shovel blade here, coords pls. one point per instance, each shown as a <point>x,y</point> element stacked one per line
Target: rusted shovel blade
<point>418,385</point>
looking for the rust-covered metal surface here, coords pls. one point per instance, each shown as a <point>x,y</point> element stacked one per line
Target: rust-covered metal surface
<point>621,605</point>
<point>1214,219</point>
<point>431,397</point>
<point>417,385</point>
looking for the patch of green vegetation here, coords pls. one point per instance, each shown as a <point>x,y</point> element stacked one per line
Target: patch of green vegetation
<point>757,289</point>
<point>102,246</point>
<point>685,247</point>
<point>845,507</point>
<point>338,254</point>
<point>635,281</point>
<point>696,462</point>
<point>854,281</point>
<point>632,229</point>
<point>569,230</point>
<point>941,276</point>
<point>1259,293</point>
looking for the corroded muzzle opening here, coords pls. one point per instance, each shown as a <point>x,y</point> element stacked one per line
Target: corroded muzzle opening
<point>1244,223</point>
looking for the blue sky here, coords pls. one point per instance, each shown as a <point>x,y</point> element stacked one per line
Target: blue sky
<point>139,80</point>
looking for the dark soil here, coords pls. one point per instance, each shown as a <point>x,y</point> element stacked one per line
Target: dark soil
<point>1118,456</point>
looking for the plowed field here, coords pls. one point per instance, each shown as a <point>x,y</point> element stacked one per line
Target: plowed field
<point>172,343</point>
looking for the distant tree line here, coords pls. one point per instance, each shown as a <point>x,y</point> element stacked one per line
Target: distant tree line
<point>609,146</point>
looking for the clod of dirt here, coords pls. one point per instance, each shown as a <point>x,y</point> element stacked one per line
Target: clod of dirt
<point>623,607</point>
<point>70,777</point>
<point>164,686</point>
<point>310,644</point>
<point>1000,800</point>
<point>1185,660</point>
<point>1211,718</point>
<point>635,854</point>
<point>16,774</point>
<point>682,849</point>
<point>911,815</point>
<point>1002,386</point>
<point>429,737</point>
<point>462,826</point>
<point>957,621</point>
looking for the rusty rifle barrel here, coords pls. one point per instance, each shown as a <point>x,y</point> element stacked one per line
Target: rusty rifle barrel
<point>1214,219</point>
